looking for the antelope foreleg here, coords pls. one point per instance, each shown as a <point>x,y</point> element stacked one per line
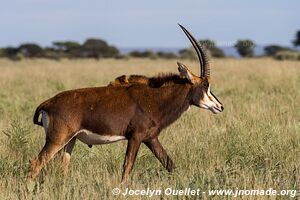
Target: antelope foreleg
<point>160,153</point>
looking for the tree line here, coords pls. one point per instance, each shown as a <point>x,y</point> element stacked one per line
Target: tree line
<point>91,48</point>
<point>97,48</point>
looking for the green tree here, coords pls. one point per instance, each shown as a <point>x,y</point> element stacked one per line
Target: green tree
<point>272,50</point>
<point>212,49</point>
<point>68,49</point>
<point>188,53</point>
<point>31,50</point>
<point>245,48</point>
<point>66,46</point>
<point>111,51</point>
<point>209,46</point>
<point>296,42</point>
<point>52,53</point>
<point>97,48</point>
<point>11,53</point>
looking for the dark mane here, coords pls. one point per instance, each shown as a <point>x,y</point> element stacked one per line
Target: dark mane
<point>154,82</point>
<point>166,79</point>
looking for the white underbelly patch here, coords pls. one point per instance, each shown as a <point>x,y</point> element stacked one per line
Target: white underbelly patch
<point>91,138</point>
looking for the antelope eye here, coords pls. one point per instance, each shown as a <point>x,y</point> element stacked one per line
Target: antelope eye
<point>205,84</point>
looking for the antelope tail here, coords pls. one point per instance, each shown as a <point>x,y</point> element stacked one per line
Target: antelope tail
<point>38,112</point>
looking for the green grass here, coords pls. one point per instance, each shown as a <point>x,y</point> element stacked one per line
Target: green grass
<point>253,144</point>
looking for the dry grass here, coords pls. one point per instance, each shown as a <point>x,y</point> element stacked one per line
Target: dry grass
<point>253,144</point>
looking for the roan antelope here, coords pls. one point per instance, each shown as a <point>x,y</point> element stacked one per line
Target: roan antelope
<point>134,108</point>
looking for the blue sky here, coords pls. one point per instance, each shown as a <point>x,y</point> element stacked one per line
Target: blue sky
<point>137,23</point>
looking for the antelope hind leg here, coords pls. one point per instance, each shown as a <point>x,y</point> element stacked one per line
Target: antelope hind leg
<point>48,151</point>
<point>131,152</point>
<point>67,155</point>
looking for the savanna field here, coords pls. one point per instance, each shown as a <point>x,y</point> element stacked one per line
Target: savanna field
<point>253,144</point>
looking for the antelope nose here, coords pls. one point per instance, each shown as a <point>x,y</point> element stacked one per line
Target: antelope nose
<point>222,108</point>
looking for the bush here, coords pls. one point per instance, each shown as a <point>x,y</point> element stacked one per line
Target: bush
<point>287,55</point>
<point>143,54</point>
<point>2,52</point>
<point>11,53</point>
<point>166,55</point>
<point>51,53</point>
<point>17,138</point>
<point>272,50</point>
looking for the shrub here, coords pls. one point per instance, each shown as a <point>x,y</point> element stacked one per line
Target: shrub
<point>11,53</point>
<point>51,53</point>
<point>272,50</point>
<point>287,55</point>
<point>166,55</point>
<point>143,54</point>
<point>17,138</point>
<point>2,52</point>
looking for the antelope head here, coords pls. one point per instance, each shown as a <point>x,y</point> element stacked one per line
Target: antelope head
<point>201,86</point>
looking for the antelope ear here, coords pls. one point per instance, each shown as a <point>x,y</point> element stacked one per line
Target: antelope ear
<point>185,72</point>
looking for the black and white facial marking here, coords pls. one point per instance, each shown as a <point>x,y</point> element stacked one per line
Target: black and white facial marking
<point>209,101</point>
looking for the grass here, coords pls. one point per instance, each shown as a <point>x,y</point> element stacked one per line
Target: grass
<point>253,144</point>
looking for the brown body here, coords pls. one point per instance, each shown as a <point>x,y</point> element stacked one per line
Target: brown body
<point>119,110</point>
<point>134,108</point>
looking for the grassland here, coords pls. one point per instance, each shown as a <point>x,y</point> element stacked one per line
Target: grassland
<point>253,144</point>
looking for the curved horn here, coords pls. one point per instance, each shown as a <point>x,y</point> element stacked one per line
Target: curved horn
<point>204,64</point>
